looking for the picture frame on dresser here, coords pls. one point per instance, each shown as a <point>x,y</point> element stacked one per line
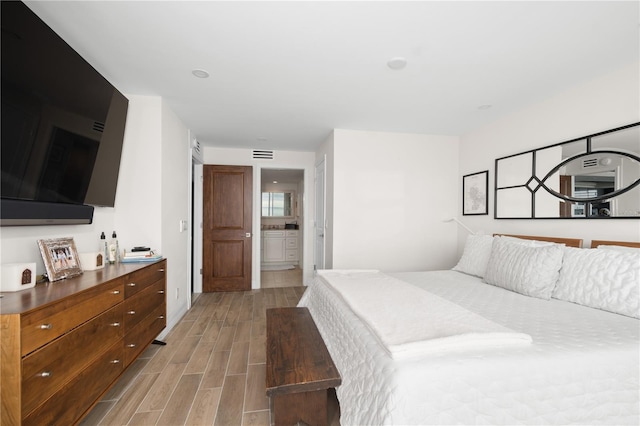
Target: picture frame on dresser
<point>475,193</point>
<point>60,258</point>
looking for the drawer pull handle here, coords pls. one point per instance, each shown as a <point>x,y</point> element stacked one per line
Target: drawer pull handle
<point>115,324</point>
<point>131,345</point>
<point>46,326</point>
<point>161,292</point>
<point>115,361</point>
<point>131,312</point>
<point>116,291</point>
<point>45,374</point>
<point>131,284</point>
<point>160,270</point>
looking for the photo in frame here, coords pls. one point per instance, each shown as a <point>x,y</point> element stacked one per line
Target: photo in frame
<point>60,258</point>
<point>475,191</point>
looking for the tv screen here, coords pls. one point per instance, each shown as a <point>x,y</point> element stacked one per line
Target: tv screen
<point>62,122</point>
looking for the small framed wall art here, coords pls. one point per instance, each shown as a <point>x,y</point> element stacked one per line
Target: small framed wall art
<point>475,190</point>
<point>60,258</point>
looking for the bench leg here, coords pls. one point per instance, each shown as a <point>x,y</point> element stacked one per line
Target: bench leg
<point>304,407</point>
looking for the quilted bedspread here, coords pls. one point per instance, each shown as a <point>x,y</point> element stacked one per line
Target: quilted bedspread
<point>409,321</point>
<point>583,366</point>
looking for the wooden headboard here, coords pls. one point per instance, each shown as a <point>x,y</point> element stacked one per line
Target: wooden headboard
<point>596,243</point>
<point>569,242</point>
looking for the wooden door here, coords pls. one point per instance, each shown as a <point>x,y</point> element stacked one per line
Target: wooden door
<point>227,195</point>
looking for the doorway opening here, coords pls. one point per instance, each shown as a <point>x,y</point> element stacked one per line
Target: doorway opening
<point>281,227</point>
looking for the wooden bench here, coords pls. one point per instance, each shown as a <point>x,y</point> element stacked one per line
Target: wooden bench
<point>300,370</point>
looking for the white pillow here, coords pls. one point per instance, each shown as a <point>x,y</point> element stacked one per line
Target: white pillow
<point>525,242</point>
<point>529,270</point>
<point>475,256</point>
<point>603,279</point>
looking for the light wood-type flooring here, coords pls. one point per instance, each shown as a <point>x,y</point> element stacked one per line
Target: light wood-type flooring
<point>287,278</point>
<point>212,369</point>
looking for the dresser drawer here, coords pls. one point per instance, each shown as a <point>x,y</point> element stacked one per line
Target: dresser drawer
<point>139,280</point>
<point>78,395</point>
<point>139,337</point>
<point>48,368</point>
<point>141,305</point>
<point>52,321</point>
<point>291,255</point>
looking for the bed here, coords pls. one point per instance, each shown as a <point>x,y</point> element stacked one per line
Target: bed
<point>580,364</point>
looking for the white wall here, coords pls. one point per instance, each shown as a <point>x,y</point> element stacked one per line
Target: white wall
<point>285,160</point>
<point>607,102</point>
<point>19,243</point>
<point>153,193</point>
<point>138,210</point>
<point>391,192</point>
<point>175,168</point>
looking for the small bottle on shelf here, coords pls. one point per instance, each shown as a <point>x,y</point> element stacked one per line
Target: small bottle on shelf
<point>103,248</point>
<point>114,249</point>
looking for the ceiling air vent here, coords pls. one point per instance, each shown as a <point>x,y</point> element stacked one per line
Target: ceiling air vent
<point>261,154</point>
<point>197,147</point>
<point>590,162</point>
<point>98,126</point>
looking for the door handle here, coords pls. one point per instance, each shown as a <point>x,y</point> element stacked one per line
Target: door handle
<point>248,235</point>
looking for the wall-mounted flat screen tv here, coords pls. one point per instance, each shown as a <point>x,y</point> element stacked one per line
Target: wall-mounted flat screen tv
<point>62,126</point>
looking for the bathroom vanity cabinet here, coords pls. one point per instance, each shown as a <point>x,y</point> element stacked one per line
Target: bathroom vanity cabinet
<point>280,246</point>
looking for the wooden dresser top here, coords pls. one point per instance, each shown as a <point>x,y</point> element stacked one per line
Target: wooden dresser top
<point>50,292</point>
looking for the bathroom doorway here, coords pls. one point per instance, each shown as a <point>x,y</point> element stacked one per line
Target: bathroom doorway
<point>281,233</point>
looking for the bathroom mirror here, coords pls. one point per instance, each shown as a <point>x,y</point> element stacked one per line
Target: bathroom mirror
<point>596,176</point>
<point>277,204</point>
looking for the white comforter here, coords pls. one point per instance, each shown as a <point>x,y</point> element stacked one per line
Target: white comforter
<point>409,321</point>
<point>582,367</point>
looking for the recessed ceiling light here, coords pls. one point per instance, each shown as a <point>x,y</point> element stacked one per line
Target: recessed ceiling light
<point>275,181</point>
<point>397,63</point>
<point>483,107</point>
<point>200,73</point>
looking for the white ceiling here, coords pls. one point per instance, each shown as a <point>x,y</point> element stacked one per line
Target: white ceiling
<point>289,72</point>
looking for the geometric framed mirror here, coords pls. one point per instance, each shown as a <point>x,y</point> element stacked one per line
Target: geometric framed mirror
<point>591,177</point>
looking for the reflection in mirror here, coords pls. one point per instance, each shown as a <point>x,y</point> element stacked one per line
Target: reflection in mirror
<point>515,170</point>
<point>513,203</point>
<point>594,177</point>
<point>625,140</point>
<point>548,158</point>
<point>546,204</point>
<point>277,204</point>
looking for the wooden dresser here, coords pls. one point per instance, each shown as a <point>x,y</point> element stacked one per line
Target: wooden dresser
<point>64,344</point>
